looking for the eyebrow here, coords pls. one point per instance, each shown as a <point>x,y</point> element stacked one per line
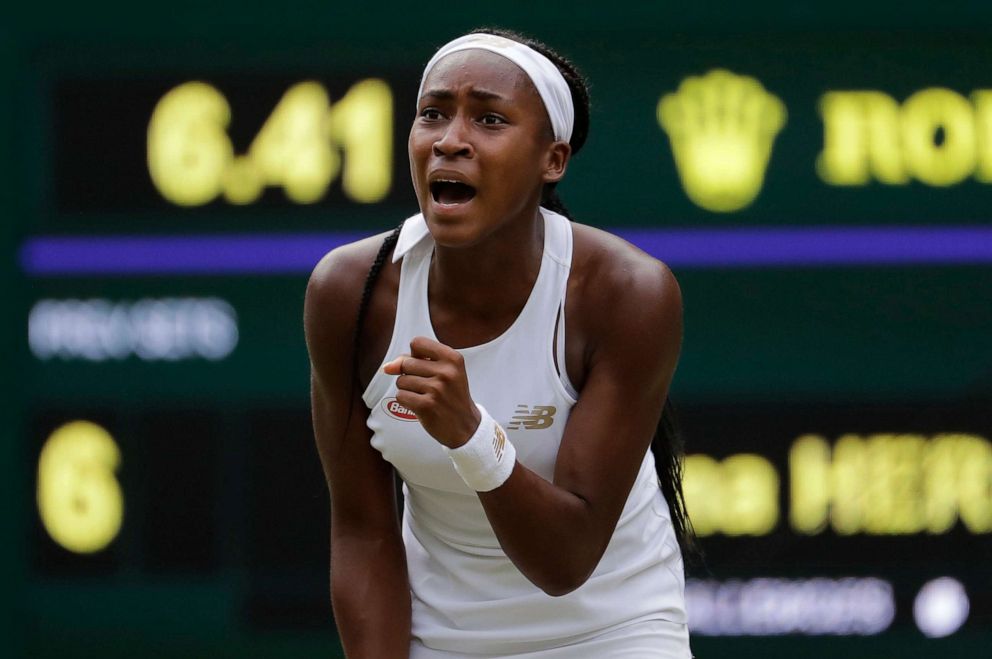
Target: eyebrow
<point>478,94</point>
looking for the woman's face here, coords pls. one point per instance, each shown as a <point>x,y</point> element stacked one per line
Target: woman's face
<point>481,147</point>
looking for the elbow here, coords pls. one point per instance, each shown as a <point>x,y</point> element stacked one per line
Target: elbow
<point>559,573</point>
<point>563,582</point>
<point>559,590</point>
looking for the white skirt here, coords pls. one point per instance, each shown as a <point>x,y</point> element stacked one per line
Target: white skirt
<point>651,639</point>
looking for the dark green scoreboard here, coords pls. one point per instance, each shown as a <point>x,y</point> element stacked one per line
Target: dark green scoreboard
<point>823,194</point>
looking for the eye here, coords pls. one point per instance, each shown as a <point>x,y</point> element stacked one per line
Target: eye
<point>430,114</point>
<point>491,119</point>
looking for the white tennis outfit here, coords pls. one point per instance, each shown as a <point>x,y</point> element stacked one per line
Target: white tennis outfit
<point>468,598</point>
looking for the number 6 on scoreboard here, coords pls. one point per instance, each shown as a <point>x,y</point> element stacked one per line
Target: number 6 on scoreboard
<point>79,498</point>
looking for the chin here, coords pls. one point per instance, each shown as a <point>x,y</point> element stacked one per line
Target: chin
<point>449,231</point>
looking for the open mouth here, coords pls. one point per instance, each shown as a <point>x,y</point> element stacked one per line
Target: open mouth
<point>451,193</point>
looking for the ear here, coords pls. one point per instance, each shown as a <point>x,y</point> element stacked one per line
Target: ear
<point>557,161</point>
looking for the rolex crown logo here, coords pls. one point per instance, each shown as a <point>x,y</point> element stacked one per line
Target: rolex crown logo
<point>721,127</point>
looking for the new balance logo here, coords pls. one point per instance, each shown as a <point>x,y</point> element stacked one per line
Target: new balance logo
<point>533,418</point>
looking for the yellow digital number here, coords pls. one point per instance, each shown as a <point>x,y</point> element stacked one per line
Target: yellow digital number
<point>291,150</point>
<point>188,148</point>
<point>302,147</point>
<point>361,123</point>
<point>79,499</point>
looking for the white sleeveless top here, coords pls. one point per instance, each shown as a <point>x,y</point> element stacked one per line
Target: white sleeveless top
<point>467,596</point>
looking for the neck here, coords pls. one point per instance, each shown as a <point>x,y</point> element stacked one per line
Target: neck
<point>493,278</point>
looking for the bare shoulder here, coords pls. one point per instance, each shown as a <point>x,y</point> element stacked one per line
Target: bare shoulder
<point>633,288</point>
<point>335,285</point>
<point>342,267</point>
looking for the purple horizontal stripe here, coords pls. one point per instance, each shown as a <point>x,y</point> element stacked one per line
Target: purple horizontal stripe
<point>48,256</point>
<point>819,246</point>
<point>178,255</point>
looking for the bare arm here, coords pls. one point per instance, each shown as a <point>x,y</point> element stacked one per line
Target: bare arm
<point>631,361</point>
<point>630,358</point>
<point>370,589</point>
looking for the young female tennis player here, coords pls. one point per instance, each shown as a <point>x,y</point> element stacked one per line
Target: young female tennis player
<point>511,367</point>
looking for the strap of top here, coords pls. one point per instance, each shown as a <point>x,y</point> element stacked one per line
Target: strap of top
<point>559,248</point>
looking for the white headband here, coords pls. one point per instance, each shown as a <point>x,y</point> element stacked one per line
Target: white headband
<point>546,77</point>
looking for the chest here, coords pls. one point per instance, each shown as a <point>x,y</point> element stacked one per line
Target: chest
<point>378,325</point>
<point>519,395</point>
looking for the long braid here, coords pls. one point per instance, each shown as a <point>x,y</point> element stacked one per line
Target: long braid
<point>667,446</point>
<point>363,306</point>
<point>380,259</point>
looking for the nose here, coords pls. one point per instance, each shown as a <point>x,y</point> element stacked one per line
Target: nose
<point>454,140</point>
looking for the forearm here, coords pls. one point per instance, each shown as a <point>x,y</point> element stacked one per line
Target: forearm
<point>370,594</point>
<point>553,536</point>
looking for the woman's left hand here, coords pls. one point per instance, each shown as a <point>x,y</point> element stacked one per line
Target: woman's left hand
<point>433,384</point>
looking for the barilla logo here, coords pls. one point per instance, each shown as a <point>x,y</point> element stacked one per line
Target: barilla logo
<point>398,411</point>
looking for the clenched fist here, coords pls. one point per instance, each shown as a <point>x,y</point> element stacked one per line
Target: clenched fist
<point>432,382</point>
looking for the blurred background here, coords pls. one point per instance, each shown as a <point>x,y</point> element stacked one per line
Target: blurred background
<point>819,177</point>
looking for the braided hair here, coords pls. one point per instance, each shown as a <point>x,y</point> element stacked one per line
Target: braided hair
<point>667,445</point>
<point>363,306</point>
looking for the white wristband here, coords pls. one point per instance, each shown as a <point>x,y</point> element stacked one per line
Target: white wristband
<point>486,460</point>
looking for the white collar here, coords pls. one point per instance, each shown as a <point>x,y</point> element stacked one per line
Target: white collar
<point>413,232</point>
